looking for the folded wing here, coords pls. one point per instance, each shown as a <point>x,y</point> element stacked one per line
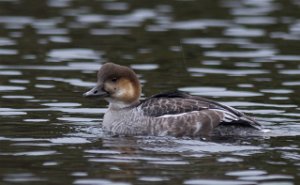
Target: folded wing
<point>178,103</point>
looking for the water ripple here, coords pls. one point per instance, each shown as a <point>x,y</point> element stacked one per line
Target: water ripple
<point>98,182</point>
<point>241,54</point>
<point>74,53</point>
<point>36,153</point>
<point>244,32</point>
<point>6,42</point>
<point>216,182</point>
<point>257,20</point>
<point>10,73</point>
<point>212,42</point>
<point>4,88</point>
<point>240,72</point>
<point>22,177</point>
<point>199,24</point>
<point>277,91</point>
<point>8,52</point>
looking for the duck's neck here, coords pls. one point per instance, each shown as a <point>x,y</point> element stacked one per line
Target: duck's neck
<point>118,105</point>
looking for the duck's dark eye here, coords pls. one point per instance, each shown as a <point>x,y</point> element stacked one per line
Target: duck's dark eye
<point>114,79</point>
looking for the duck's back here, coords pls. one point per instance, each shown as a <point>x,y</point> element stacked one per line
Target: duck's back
<point>185,114</point>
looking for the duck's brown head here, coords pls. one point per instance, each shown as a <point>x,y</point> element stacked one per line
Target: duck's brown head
<point>117,84</point>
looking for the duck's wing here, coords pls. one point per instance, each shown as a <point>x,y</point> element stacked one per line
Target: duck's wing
<point>168,105</point>
<point>175,103</point>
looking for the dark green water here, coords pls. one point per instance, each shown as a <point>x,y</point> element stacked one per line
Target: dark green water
<point>244,53</point>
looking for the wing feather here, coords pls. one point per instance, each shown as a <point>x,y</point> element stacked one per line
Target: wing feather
<point>175,103</point>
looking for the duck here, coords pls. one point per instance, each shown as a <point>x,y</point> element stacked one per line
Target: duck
<point>165,114</point>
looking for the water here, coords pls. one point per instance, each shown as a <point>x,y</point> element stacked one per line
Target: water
<point>242,53</point>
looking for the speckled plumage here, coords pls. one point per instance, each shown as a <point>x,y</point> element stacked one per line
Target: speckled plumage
<point>174,114</point>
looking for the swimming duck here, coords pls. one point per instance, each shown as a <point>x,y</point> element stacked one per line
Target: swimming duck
<point>172,114</point>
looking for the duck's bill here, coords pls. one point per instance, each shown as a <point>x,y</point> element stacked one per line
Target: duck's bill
<point>96,92</point>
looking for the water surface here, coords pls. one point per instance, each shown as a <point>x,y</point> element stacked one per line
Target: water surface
<point>241,53</point>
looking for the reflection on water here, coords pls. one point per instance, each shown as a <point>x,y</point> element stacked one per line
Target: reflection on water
<point>242,53</point>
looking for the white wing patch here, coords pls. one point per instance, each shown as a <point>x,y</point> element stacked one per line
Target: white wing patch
<point>228,116</point>
<point>176,115</point>
<point>198,127</point>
